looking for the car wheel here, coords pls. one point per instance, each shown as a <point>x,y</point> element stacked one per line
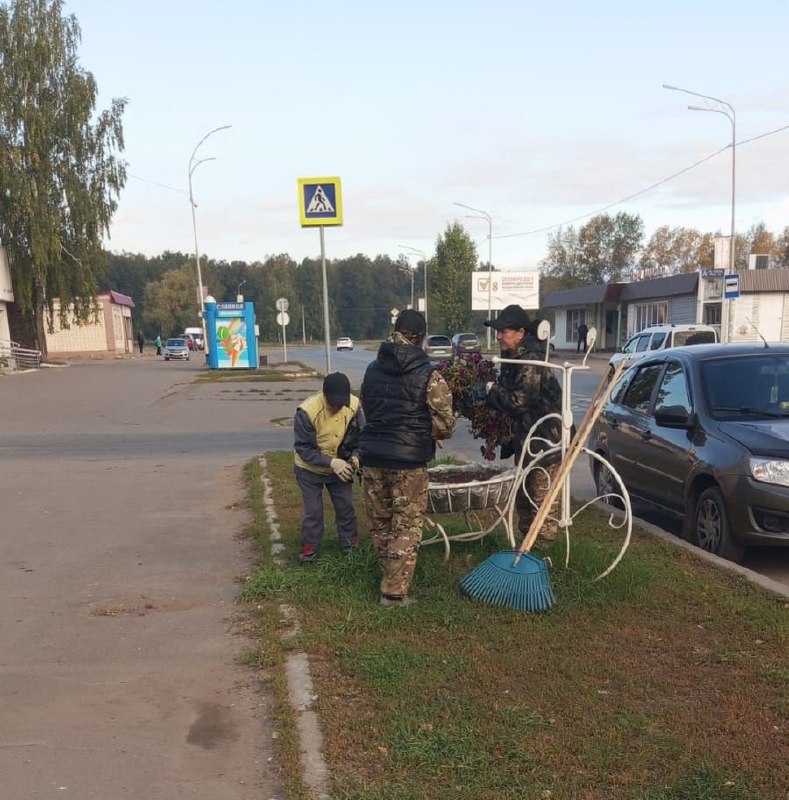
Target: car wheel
<point>606,485</point>
<point>711,530</point>
<point>167,358</point>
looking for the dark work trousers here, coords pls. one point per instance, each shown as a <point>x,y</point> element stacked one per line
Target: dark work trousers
<point>341,495</point>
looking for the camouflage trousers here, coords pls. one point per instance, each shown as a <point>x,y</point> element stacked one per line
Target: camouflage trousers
<point>536,486</point>
<point>396,501</point>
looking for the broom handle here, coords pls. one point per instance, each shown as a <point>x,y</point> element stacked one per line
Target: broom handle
<point>601,395</point>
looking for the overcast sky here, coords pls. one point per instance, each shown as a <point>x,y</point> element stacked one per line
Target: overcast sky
<point>536,113</point>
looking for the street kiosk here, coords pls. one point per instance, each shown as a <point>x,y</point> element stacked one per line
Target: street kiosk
<point>232,335</point>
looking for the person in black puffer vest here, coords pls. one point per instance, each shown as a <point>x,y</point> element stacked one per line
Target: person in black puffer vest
<point>407,407</point>
<point>527,393</point>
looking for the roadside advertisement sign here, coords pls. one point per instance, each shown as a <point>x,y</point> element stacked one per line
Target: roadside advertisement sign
<point>505,288</point>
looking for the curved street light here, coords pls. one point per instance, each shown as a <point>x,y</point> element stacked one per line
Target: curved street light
<point>194,163</point>
<point>424,260</point>
<point>407,268</point>
<point>727,110</point>
<point>239,296</point>
<point>479,214</point>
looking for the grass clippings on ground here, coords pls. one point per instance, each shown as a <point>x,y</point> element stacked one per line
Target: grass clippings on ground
<point>666,680</point>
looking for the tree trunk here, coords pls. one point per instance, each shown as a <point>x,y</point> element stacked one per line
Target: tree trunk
<point>41,336</point>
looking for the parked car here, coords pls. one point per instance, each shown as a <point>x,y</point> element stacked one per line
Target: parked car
<point>464,344</point>
<point>702,433</point>
<point>438,348</point>
<point>345,343</point>
<point>661,337</point>
<point>189,339</point>
<point>176,348</point>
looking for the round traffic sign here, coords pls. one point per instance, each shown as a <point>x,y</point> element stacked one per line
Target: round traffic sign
<point>283,318</point>
<point>282,304</point>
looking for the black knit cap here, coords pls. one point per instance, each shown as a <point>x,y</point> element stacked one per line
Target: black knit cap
<point>411,321</point>
<point>337,389</point>
<point>512,317</point>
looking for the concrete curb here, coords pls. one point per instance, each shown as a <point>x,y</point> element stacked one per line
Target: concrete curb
<point>301,694</point>
<point>764,582</point>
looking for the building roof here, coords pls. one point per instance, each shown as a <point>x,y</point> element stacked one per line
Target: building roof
<point>121,299</point>
<point>764,280</point>
<point>685,283</point>
<point>582,295</point>
<point>751,281</point>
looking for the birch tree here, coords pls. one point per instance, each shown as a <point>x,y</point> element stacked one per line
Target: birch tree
<point>60,175</point>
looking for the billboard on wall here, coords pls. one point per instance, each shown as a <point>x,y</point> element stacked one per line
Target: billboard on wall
<point>506,288</point>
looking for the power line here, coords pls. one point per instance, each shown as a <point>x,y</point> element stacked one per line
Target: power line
<point>642,191</point>
<point>161,185</point>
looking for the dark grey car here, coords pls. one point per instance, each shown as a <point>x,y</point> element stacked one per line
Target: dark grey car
<point>702,433</point>
<point>464,344</point>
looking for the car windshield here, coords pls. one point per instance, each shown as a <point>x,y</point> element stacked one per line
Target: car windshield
<point>747,386</point>
<point>176,343</point>
<point>439,341</point>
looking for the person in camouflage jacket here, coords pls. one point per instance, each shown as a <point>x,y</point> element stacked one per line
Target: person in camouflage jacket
<point>408,408</point>
<point>527,393</point>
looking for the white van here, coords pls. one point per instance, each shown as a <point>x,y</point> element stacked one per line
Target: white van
<point>661,337</point>
<point>197,335</point>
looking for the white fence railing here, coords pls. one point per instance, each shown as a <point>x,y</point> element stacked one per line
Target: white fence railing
<point>13,356</point>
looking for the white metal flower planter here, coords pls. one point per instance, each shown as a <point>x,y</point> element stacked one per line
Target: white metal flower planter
<point>498,492</point>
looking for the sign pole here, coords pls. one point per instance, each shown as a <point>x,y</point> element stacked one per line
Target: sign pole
<point>283,319</point>
<point>325,302</point>
<point>320,204</point>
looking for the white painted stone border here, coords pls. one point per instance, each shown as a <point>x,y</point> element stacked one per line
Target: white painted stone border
<point>300,688</point>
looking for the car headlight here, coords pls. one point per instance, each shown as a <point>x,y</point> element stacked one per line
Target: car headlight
<point>770,470</point>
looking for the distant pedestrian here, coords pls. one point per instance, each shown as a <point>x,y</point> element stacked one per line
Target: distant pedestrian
<point>140,341</point>
<point>158,345</point>
<point>582,334</point>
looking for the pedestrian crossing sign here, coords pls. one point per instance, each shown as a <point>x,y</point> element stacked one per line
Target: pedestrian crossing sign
<point>320,201</point>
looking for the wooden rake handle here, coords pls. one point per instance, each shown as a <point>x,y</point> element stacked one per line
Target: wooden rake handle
<point>601,395</point>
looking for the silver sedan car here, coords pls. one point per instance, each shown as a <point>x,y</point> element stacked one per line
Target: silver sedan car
<point>176,349</point>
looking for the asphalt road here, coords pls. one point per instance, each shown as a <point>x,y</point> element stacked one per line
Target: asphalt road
<point>119,569</point>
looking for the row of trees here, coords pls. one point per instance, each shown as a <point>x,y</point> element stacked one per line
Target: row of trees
<point>608,248</point>
<point>362,291</point>
<point>60,175</point>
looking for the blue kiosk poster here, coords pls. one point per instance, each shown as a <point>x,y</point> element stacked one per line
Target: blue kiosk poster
<point>232,335</point>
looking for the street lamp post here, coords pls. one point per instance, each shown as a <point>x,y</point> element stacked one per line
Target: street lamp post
<point>194,163</point>
<point>411,273</point>
<point>424,261</point>
<point>728,111</point>
<point>484,215</point>
<point>239,296</point>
